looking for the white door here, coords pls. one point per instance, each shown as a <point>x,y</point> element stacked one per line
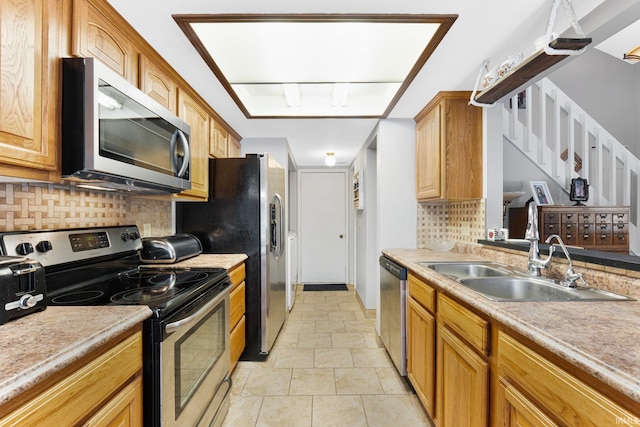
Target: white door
<point>323,226</point>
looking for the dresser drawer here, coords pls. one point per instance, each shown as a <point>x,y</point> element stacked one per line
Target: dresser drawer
<point>620,217</point>
<point>468,325</point>
<point>551,229</point>
<point>423,293</point>
<point>603,218</point>
<point>569,218</point>
<point>551,217</point>
<point>586,218</point>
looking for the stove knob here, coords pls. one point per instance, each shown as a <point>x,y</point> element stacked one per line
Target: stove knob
<point>44,246</point>
<point>24,248</point>
<point>27,301</point>
<point>135,235</point>
<point>124,237</point>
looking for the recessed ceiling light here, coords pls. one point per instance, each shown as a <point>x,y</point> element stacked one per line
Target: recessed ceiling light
<point>338,65</point>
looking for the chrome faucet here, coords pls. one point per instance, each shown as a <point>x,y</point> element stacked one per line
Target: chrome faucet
<point>534,262</point>
<point>570,277</point>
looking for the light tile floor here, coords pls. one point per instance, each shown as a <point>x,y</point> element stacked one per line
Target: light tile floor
<point>327,368</point>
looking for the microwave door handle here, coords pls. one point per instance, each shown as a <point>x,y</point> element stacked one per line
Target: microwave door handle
<point>178,135</point>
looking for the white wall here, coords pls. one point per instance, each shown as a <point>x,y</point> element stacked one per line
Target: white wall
<point>389,218</point>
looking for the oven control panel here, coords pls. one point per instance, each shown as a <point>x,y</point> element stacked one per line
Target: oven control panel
<point>53,247</point>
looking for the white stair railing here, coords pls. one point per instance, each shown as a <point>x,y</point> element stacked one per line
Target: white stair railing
<point>551,129</point>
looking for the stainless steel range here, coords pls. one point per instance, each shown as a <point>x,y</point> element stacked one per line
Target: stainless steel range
<point>186,340</point>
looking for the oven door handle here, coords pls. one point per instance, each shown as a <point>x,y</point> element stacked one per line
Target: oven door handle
<point>195,317</point>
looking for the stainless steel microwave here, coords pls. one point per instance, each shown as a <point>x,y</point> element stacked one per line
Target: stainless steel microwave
<point>114,136</point>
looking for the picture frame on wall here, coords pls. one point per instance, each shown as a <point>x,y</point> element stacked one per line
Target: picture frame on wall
<point>541,194</point>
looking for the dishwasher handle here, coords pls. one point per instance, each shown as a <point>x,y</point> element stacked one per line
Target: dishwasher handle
<point>392,267</point>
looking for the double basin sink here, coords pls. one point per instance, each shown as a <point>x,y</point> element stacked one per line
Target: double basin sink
<point>499,283</point>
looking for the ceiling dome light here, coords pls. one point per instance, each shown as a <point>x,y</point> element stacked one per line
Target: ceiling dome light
<point>330,160</point>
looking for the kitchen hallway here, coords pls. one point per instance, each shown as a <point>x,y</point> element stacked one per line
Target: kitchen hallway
<point>327,368</point>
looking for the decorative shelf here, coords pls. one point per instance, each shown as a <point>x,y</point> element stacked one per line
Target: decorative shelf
<point>528,69</point>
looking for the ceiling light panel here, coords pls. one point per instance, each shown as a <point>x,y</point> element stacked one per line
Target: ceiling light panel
<point>341,65</point>
<point>272,52</point>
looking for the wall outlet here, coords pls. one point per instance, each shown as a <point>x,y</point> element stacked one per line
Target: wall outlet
<point>146,230</point>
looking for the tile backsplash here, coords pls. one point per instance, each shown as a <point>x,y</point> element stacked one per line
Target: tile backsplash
<point>461,221</point>
<point>27,206</point>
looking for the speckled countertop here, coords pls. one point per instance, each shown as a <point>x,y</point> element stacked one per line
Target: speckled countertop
<point>601,338</point>
<point>226,261</point>
<point>38,345</point>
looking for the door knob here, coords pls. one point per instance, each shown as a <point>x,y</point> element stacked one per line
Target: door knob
<point>341,236</point>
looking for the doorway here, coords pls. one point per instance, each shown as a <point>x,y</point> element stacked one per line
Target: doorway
<point>322,232</point>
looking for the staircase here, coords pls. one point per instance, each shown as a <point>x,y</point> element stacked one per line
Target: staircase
<point>565,143</point>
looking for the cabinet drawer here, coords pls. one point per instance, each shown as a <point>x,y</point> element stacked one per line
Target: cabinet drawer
<point>586,237</point>
<point>620,238</point>
<point>603,218</point>
<point>551,229</point>
<point>551,217</point>
<point>468,325</point>
<point>562,394</point>
<point>423,293</point>
<point>570,235</point>
<point>237,342</point>
<point>603,234</point>
<point>586,218</point>
<point>569,218</point>
<point>237,275</point>
<point>619,217</point>
<point>236,305</point>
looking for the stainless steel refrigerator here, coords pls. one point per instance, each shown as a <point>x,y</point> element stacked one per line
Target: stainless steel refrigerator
<point>245,214</point>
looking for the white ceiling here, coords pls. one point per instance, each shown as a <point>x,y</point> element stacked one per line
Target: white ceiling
<point>491,29</point>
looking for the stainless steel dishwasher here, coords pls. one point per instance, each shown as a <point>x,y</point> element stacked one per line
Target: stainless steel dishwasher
<point>393,312</point>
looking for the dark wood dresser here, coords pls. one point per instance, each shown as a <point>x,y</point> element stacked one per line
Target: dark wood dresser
<point>596,228</point>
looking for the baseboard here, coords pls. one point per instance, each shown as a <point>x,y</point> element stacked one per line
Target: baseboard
<point>368,313</point>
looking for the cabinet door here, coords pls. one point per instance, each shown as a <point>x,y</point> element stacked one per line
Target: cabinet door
<point>197,117</point>
<point>421,343</point>
<point>156,83</point>
<point>29,91</point>
<point>94,34</point>
<point>218,147</point>
<point>462,383</point>
<point>429,156</point>
<point>233,146</point>
<point>125,409</point>
<point>513,409</point>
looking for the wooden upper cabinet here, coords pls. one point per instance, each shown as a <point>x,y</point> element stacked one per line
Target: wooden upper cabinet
<point>233,146</point>
<point>95,33</point>
<point>449,149</point>
<point>218,145</point>
<point>29,115</point>
<point>198,118</point>
<point>156,82</point>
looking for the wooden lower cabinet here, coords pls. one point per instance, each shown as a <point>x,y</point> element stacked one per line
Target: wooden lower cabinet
<point>462,383</point>
<point>560,397</point>
<point>516,410</point>
<point>421,347</point>
<point>125,409</point>
<point>237,308</point>
<point>104,391</point>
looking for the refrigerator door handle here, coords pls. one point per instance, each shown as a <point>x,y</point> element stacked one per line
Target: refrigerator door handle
<point>278,232</point>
